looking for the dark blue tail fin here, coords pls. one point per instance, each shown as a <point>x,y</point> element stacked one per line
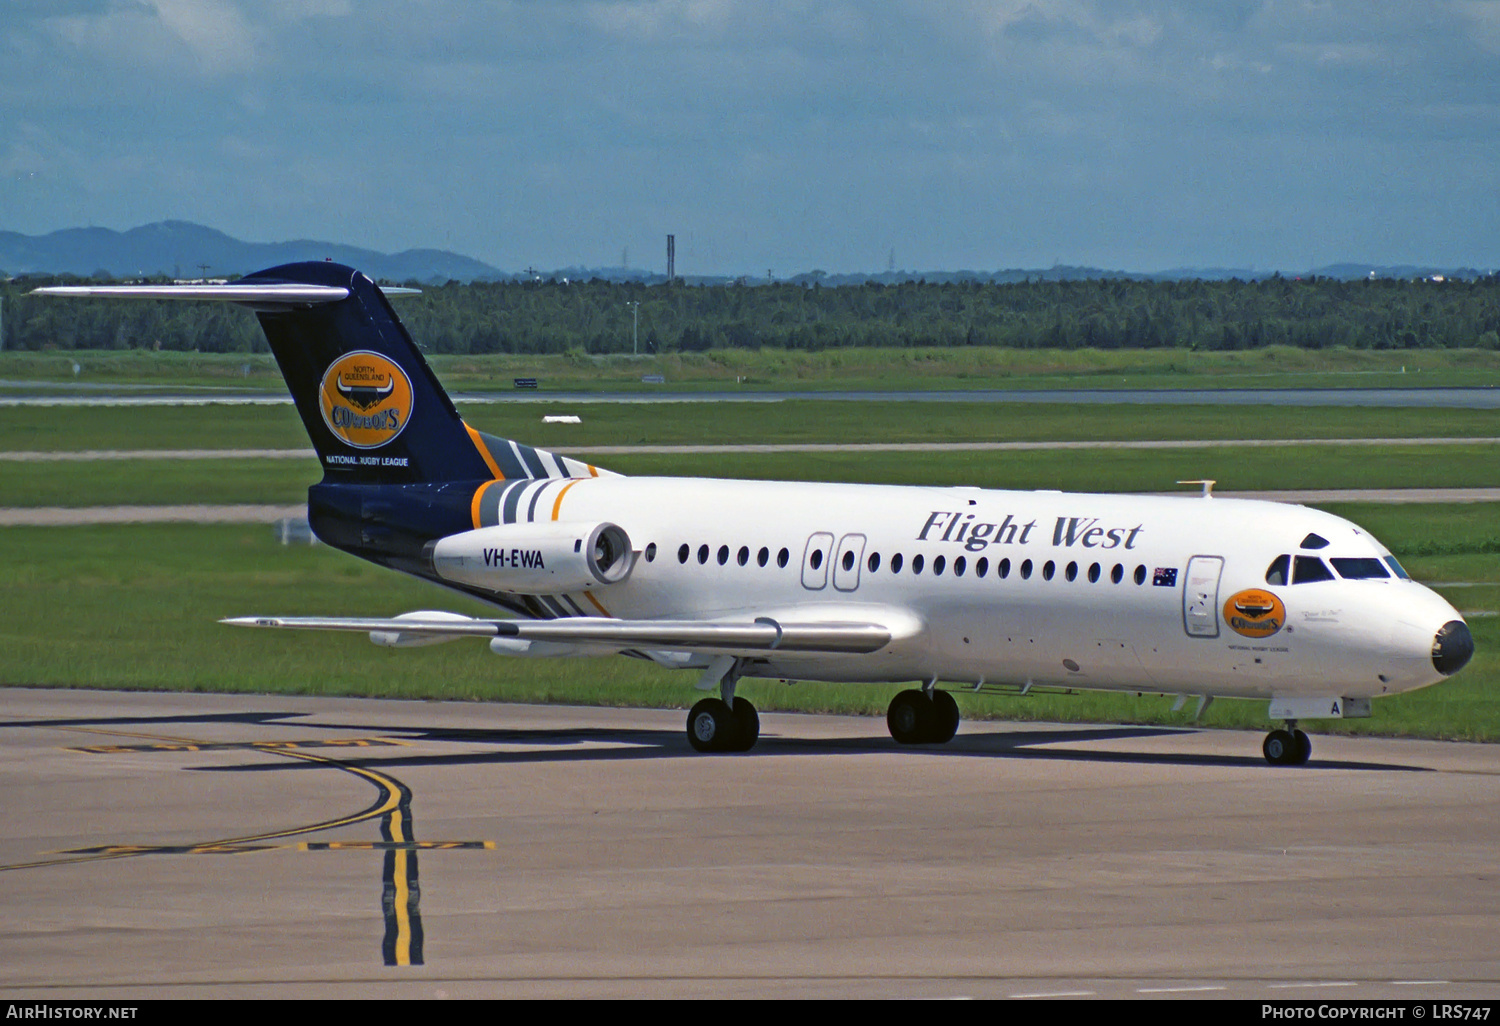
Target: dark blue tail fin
<point>373,408</point>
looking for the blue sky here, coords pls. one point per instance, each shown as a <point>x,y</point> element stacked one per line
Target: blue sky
<point>766,135</point>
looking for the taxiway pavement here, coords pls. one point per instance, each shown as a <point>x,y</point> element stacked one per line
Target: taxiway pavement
<point>164,845</point>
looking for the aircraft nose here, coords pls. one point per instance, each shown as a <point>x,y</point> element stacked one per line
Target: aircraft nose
<point>1452,647</point>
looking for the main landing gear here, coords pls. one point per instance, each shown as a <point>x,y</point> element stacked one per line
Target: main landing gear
<point>714,725</point>
<point>726,723</point>
<point>1289,747</point>
<point>923,717</point>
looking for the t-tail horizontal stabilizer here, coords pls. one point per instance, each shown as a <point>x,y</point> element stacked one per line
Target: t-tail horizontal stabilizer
<point>371,405</point>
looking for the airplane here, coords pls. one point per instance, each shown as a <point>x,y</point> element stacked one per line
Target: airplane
<point>981,590</point>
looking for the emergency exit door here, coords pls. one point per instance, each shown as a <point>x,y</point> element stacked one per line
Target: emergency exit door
<point>1200,596</point>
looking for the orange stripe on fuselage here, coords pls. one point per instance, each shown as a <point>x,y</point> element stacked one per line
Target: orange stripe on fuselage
<point>474,506</point>
<point>590,596</point>
<point>557,506</point>
<point>484,453</point>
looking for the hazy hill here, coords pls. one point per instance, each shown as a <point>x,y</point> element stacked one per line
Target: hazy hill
<point>185,250</point>
<point>181,249</point>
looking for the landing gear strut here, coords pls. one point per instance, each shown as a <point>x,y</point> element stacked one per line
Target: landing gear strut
<point>1290,747</point>
<point>923,717</point>
<point>727,723</point>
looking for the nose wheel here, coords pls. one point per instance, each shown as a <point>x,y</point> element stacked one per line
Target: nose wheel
<point>1289,747</point>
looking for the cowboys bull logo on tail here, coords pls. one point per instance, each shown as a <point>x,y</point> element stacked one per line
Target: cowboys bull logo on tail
<point>366,399</point>
<point>1254,613</point>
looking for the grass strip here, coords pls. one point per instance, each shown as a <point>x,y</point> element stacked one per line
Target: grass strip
<point>62,429</point>
<point>928,367</point>
<point>151,481</point>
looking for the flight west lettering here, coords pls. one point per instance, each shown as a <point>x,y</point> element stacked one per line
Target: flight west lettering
<point>514,559</point>
<point>1067,532</point>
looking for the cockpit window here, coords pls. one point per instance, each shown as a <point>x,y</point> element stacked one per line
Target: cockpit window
<point>1276,572</point>
<point>1306,569</point>
<point>1314,541</point>
<point>1359,569</point>
<point>1400,571</point>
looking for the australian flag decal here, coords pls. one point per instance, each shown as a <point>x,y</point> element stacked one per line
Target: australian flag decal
<point>1164,577</point>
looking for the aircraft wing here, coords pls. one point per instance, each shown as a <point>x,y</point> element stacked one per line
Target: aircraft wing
<point>757,636</point>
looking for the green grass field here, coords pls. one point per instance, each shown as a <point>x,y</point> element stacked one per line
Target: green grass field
<point>56,429</point>
<point>282,481</point>
<point>836,369</point>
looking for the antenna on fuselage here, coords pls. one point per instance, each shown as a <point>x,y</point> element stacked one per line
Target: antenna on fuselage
<point>1208,486</point>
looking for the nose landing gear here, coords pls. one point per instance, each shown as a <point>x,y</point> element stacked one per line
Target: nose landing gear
<point>1290,747</point>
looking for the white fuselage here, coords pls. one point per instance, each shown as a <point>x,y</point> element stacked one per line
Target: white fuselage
<point>1114,592</point>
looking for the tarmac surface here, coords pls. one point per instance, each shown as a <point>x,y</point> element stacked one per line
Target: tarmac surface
<point>161,845</point>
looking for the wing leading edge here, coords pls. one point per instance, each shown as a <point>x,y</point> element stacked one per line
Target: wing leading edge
<point>761,635</point>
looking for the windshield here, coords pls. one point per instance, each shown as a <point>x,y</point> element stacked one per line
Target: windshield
<point>1359,568</point>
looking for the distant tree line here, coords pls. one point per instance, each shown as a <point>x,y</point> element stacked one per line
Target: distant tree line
<point>595,316</point>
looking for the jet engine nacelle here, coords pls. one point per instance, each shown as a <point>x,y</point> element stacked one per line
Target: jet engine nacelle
<point>549,558</point>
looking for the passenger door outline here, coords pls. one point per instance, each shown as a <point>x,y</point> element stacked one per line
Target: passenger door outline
<point>849,544</point>
<point>815,561</point>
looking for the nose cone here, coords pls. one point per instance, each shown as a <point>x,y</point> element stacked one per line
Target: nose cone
<point>1452,647</point>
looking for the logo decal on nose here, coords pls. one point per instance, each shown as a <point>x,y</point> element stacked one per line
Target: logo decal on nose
<point>1254,613</point>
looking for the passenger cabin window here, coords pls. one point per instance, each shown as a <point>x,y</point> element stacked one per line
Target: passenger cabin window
<point>1276,572</point>
<point>1359,569</point>
<point>1307,569</point>
<point>896,562</point>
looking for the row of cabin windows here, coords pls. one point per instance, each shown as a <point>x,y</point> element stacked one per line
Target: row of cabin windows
<point>898,562</point>
<point>742,557</point>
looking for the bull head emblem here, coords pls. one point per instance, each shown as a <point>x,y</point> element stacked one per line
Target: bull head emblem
<point>365,396</point>
<point>1254,610</point>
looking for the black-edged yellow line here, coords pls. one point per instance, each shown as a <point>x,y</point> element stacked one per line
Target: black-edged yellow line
<point>401,894</point>
<point>403,940</point>
<point>388,800</point>
<point>239,849</point>
<point>217,746</point>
